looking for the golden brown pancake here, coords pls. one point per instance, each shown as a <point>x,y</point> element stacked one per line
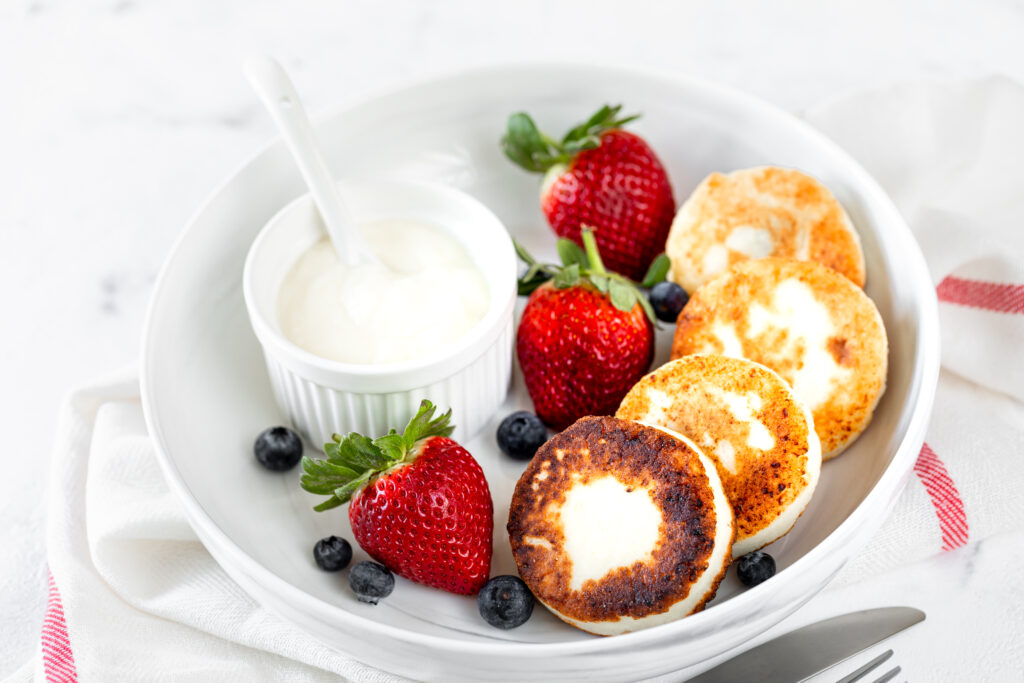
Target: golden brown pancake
<point>618,526</point>
<point>806,322</point>
<point>751,423</point>
<point>756,213</point>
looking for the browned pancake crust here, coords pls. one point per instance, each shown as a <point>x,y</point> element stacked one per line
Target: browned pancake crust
<point>765,482</point>
<point>792,206</point>
<point>859,341</point>
<point>636,455</point>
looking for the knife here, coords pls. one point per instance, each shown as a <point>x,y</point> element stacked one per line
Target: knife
<point>799,654</point>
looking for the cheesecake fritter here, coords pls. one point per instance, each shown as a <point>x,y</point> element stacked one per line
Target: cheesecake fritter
<point>751,423</point>
<point>681,569</point>
<point>756,213</point>
<point>806,322</point>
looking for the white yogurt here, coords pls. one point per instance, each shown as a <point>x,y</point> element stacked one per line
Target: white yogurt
<point>425,294</point>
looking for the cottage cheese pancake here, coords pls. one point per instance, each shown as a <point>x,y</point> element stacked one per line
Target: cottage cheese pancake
<point>617,526</point>
<point>806,322</point>
<point>760,212</point>
<point>751,423</point>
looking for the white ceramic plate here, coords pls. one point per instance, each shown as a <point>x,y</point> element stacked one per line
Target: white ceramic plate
<point>206,393</point>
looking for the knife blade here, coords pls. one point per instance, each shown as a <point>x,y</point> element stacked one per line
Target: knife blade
<point>799,654</point>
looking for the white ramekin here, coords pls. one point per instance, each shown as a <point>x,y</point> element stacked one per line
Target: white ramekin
<point>322,397</point>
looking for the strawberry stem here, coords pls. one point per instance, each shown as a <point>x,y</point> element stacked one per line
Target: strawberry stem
<point>593,254</point>
<point>551,142</point>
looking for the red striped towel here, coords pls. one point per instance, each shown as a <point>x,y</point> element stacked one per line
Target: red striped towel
<point>950,156</point>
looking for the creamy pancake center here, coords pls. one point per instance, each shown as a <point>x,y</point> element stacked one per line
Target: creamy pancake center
<point>727,337</point>
<point>744,408</point>
<point>726,455</point>
<point>809,327</point>
<point>750,241</point>
<point>607,525</point>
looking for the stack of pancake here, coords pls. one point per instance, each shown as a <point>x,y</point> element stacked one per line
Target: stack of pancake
<point>778,361</point>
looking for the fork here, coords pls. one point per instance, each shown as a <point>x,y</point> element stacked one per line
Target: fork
<point>869,667</point>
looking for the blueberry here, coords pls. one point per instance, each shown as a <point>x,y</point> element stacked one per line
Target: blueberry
<point>332,553</point>
<point>505,602</point>
<point>754,568</point>
<point>667,299</point>
<point>278,448</point>
<point>371,581</point>
<point>521,434</point>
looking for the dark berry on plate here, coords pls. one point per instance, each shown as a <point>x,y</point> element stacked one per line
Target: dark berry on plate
<point>505,602</point>
<point>332,553</point>
<point>278,448</point>
<point>371,581</point>
<point>667,299</point>
<point>754,568</point>
<point>521,434</point>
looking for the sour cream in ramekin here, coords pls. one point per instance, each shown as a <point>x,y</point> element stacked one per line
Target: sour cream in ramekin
<point>424,294</point>
<point>366,347</point>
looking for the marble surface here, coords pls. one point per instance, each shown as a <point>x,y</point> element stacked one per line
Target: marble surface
<point>122,115</point>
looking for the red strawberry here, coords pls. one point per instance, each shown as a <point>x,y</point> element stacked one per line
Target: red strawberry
<point>603,177</point>
<point>585,337</point>
<point>420,503</point>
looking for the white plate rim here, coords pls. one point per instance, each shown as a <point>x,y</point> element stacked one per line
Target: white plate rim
<point>922,388</point>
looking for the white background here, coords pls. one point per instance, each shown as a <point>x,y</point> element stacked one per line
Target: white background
<point>118,117</point>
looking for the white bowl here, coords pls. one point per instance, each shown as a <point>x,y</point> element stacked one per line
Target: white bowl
<point>322,397</point>
<point>206,394</point>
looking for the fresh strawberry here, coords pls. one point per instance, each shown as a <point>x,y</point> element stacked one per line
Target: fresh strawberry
<point>585,337</point>
<point>419,502</point>
<point>600,176</point>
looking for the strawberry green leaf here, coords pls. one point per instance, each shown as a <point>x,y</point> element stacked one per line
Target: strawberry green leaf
<point>392,445</point>
<point>605,113</point>
<point>606,118</point>
<point>536,275</point>
<point>567,277</point>
<point>619,123</point>
<point>526,257</point>
<point>323,476</point>
<point>534,151</point>
<point>570,252</point>
<point>525,145</point>
<point>601,282</point>
<point>357,452</point>
<point>331,502</point>
<point>354,460</point>
<point>657,272</point>
<point>622,295</point>
<point>646,305</point>
<point>424,425</point>
<point>531,281</point>
<point>573,146</point>
<point>344,493</point>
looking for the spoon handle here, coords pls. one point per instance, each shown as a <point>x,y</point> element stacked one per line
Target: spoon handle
<point>278,94</point>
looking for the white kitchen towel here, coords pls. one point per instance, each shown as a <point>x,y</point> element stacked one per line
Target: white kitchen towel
<point>135,596</point>
<point>949,156</point>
